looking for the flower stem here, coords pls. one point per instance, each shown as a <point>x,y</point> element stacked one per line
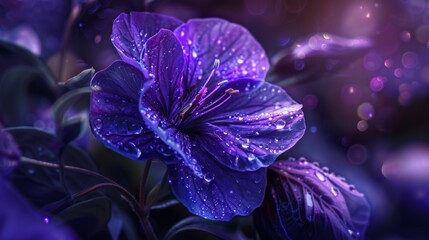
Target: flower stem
<point>145,174</point>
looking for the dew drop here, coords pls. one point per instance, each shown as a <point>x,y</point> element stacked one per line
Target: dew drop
<point>280,124</point>
<point>46,219</point>
<point>131,148</point>
<point>309,206</point>
<point>251,157</point>
<point>334,191</point>
<point>320,176</point>
<point>164,150</point>
<point>134,128</point>
<point>208,177</point>
<point>352,234</point>
<point>245,145</point>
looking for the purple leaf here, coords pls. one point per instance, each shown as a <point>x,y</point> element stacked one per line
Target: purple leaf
<point>131,31</point>
<point>305,202</point>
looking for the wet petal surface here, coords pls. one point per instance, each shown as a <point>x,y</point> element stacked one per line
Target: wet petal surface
<point>252,128</point>
<point>220,193</point>
<point>114,115</point>
<point>205,40</point>
<point>305,202</point>
<point>131,31</point>
<point>163,58</point>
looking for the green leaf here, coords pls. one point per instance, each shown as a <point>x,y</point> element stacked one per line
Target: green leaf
<point>200,224</point>
<point>8,50</point>
<point>41,185</point>
<point>80,80</point>
<point>14,85</point>
<point>88,217</point>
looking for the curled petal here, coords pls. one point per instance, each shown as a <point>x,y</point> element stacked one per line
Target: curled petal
<point>114,113</point>
<point>252,128</point>
<point>205,40</point>
<point>163,58</point>
<point>303,201</point>
<point>131,31</point>
<point>220,193</point>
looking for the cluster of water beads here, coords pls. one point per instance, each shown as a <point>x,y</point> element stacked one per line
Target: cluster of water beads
<point>302,171</point>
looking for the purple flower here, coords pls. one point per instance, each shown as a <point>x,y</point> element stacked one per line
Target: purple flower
<point>193,95</point>
<point>303,201</point>
<point>9,153</point>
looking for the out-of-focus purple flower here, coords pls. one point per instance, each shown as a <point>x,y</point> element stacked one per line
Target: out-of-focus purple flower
<point>317,56</point>
<point>9,153</point>
<point>193,95</point>
<point>23,36</point>
<point>408,164</point>
<point>43,18</point>
<point>17,214</point>
<point>305,202</point>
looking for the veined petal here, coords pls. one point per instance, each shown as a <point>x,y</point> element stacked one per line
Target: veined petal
<point>252,128</point>
<point>205,40</point>
<point>163,58</point>
<point>305,202</point>
<point>131,31</point>
<point>114,112</point>
<point>221,193</point>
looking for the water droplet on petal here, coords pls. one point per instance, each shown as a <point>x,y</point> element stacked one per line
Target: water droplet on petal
<point>46,219</point>
<point>320,176</point>
<point>334,191</point>
<point>251,157</point>
<point>245,145</point>
<point>352,234</point>
<point>280,124</point>
<point>309,206</point>
<point>164,150</point>
<point>131,148</point>
<point>134,128</point>
<point>208,177</point>
<point>98,123</point>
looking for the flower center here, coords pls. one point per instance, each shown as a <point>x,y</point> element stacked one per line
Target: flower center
<point>199,104</point>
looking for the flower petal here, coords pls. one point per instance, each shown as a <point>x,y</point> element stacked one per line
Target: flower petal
<point>252,128</point>
<point>163,58</point>
<point>205,40</point>
<point>305,202</point>
<point>221,193</point>
<point>114,113</point>
<point>131,31</point>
